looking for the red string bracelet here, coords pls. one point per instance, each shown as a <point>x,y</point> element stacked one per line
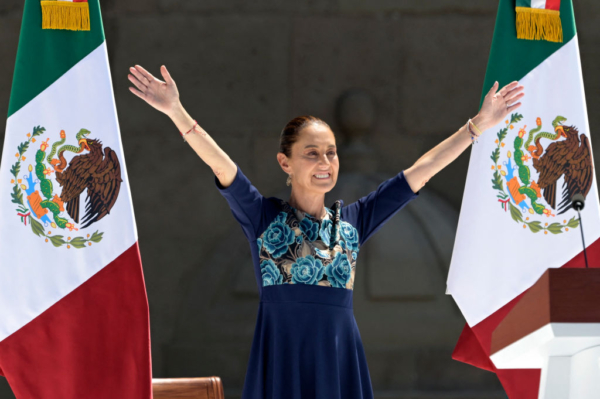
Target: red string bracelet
<point>195,124</point>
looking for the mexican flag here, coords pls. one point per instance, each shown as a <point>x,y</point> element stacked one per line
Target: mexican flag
<point>74,319</point>
<point>516,220</point>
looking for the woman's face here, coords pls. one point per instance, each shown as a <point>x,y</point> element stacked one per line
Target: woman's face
<point>314,163</point>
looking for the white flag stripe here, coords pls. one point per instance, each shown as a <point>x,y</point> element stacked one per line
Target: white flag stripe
<point>538,3</point>
<point>34,274</point>
<point>495,259</point>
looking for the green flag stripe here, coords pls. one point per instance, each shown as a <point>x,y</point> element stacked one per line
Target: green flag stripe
<point>511,58</point>
<point>523,3</point>
<point>44,55</point>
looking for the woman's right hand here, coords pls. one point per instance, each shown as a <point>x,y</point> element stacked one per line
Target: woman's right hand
<point>163,96</point>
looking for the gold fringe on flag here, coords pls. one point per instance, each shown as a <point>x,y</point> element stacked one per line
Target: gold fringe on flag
<point>65,15</point>
<point>539,24</point>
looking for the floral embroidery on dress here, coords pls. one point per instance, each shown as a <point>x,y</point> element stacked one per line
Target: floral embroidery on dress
<point>278,236</point>
<point>325,231</point>
<point>270,273</point>
<point>307,270</point>
<point>310,229</point>
<point>322,254</point>
<point>298,248</point>
<point>338,271</point>
<point>350,235</point>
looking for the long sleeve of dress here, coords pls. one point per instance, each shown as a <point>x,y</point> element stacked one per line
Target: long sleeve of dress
<point>369,213</point>
<point>248,206</point>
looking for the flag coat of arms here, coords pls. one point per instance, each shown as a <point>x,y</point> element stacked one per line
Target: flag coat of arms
<point>516,220</point>
<point>74,319</point>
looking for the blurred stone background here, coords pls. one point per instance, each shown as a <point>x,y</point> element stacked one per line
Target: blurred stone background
<point>393,79</point>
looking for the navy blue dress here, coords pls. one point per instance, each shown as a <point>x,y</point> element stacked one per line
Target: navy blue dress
<point>306,342</point>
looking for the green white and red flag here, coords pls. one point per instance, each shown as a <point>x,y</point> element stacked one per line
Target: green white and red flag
<point>74,319</point>
<point>516,220</point>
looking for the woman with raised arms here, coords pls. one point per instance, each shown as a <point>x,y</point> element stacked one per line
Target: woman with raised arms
<point>306,342</point>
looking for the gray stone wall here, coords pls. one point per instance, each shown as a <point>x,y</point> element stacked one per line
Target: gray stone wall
<point>243,70</point>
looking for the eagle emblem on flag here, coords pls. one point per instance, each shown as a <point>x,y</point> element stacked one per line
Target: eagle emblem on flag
<point>532,165</point>
<point>92,168</point>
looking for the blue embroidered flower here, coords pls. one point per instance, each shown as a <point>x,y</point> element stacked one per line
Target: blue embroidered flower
<point>322,254</point>
<point>325,231</point>
<point>281,217</point>
<point>338,272</point>
<point>310,228</point>
<point>259,243</point>
<point>299,239</point>
<point>277,237</point>
<point>343,244</point>
<point>307,270</point>
<point>354,255</point>
<point>270,273</point>
<point>350,235</point>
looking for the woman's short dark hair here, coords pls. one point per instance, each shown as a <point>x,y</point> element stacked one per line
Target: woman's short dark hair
<point>289,134</point>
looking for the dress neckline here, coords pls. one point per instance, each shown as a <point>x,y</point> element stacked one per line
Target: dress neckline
<point>332,216</point>
<point>301,214</point>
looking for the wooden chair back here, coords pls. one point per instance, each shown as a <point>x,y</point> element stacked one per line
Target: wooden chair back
<point>187,388</point>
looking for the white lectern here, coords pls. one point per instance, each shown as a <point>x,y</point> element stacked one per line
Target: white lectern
<point>555,327</point>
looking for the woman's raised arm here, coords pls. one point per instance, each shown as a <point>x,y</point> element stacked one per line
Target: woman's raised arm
<point>164,96</point>
<point>495,107</point>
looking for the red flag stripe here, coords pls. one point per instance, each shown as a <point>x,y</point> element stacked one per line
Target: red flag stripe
<point>90,344</point>
<point>553,5</point>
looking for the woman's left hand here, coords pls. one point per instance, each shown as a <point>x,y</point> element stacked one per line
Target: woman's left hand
<point>497,105</point>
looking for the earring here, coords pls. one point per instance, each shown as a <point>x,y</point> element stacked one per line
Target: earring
<point>289,180</point>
